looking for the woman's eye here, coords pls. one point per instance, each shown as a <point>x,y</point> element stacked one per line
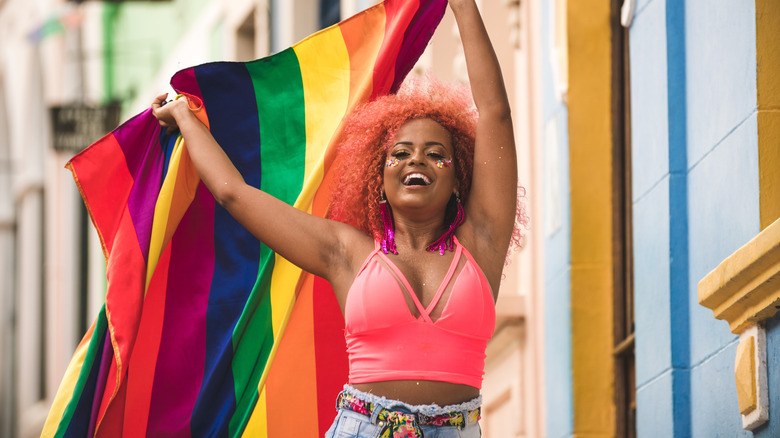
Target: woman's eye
<point>436,155</point>
<point>400,154</point>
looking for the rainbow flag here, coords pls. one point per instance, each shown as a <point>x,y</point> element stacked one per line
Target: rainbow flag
<point>205,331</point>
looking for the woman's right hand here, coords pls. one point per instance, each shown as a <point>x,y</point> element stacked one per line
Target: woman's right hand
<point>164,110</point>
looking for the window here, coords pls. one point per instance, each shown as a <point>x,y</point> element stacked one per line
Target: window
<point>625,376</point>
<point>245,39</point>
<point>330,12</point>
<point>83,316</point>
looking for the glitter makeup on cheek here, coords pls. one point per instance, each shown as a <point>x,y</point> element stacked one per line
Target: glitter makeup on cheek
<point>392,162</point>
<point>445,162</point>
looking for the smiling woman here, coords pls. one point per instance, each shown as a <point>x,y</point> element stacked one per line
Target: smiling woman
<point>414,247</point>
<point>356,198</point>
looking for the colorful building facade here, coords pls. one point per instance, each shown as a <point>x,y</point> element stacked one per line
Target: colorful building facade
<point>665,145</point>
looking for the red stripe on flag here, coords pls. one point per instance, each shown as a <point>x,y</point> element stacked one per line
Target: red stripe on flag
<point>141,367</point>
<point>396,24</point>
<point>111,424</point>
<point>123,303</point>
<point>102,176</point>
<point>330,349</point>
<point>124,299</point>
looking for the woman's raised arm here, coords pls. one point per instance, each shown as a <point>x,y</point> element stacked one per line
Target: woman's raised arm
<point>491,206</point>
<point>314,244</point>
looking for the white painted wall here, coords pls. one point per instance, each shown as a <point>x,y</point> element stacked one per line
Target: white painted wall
<point>39,207</point>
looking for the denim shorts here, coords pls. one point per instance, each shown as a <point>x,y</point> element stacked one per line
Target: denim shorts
<point>351,424</point>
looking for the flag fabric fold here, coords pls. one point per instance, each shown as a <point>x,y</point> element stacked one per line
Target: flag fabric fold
<point>205,331</point>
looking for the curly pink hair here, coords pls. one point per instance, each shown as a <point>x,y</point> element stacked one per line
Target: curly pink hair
<point>360,163</point>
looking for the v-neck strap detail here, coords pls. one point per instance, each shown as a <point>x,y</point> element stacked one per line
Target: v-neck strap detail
<point>444,282</point>
<point>425,313</point>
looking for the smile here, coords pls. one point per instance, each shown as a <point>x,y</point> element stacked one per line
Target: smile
<point>416,179</point>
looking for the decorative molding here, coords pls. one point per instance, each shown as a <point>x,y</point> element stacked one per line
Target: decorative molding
<point>745,375</point>
<point>745,288</point>
<point>750,374</point>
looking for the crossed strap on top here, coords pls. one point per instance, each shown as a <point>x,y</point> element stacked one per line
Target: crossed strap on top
<point>425,313</point>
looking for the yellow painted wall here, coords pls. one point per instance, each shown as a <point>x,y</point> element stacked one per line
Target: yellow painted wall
<point>768,89</point>
<point>590,143</point>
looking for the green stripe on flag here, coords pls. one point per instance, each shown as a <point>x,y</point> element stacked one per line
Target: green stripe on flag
<point>281,109</point>
<point>278,89</point>
<point>250,357</point>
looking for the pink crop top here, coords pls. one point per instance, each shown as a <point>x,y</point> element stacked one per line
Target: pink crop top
<point>385,341</point>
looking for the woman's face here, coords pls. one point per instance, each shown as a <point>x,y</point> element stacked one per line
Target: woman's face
<point>419,172</point>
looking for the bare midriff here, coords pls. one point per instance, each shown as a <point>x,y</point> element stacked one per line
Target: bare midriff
<point>420,392</point>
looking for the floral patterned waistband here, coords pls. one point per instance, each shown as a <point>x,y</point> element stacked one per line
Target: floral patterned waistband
<point>398,424</point>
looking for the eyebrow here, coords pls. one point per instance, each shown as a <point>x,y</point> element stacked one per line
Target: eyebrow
<point>430,143</point>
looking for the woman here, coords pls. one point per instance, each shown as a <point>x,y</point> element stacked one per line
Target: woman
<point>416,254</point>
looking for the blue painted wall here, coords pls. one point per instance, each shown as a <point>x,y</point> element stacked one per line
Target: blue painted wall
<point>723,188</point>
<point>695,199</point>
<point>659,188</point>
<point>557,260</point>
<point>772,428</point>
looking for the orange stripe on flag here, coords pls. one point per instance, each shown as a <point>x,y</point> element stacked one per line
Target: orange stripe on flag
<point>293,375</point>
<point>363,49</point>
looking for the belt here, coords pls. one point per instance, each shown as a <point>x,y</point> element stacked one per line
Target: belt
<point>404,424</point>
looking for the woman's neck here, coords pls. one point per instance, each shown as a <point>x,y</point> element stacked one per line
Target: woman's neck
<point>418,235</point>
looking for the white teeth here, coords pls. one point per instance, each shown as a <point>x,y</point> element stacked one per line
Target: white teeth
<point>411,176</point>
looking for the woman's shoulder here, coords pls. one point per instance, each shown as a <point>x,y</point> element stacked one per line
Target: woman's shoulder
<point>353,248</point>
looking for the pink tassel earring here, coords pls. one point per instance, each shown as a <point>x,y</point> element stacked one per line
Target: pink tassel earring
<point>388,236</point>
<point>446,242</point>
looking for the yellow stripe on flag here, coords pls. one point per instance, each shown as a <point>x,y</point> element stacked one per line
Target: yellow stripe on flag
<point>68,384</point>
<point>326,87</point>
<point>257,427</point>
<point>177,192</point>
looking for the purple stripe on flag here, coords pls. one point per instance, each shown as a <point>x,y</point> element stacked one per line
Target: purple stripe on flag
<point>146,170</point>
<point>416,37</point>
<point>182,353</point>
<point>104,364</point>
<point>185,81</point>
